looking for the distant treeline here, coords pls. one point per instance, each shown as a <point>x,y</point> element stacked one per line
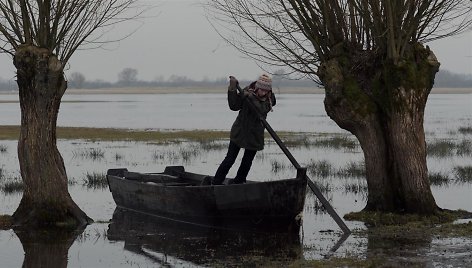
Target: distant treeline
<point>444,79</point>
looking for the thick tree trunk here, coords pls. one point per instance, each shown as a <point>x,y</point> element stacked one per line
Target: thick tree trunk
<point>46,200</point>
<point>383,106</point>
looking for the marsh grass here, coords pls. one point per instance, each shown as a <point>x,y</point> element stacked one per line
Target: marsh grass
<point>465,130</point>
<point>118,157</point>
<point>115,134</point>
<point>95,180</point>
<point>169,155</point>
<point>337,142</point>
<point>3,148</point>
<point>447,148</point>
<point>157,155</point>
<point>71,181</point>
<point>316,206</point>
<point>352,170</point>
<point>464,148</point>
<point>463,174</point>
<point>277,166</point>
<point>210,145</point>
<point>187,154</point>
<point>438,179</point>
<point>320,168</point>
<point>91,153</point>
<point>441,148</point>
<point>298,141</point>
<point>356,188</point>
<point>12,185</point>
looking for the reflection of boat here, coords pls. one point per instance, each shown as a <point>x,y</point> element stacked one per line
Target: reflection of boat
<point>178,194</point>
<point>168,242</point>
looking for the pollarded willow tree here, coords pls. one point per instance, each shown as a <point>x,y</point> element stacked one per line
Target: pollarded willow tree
<point>377,74</point>
<point>41,36</point>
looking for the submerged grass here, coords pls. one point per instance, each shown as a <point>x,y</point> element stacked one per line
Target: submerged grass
<point>320,168</point>
<point>353,170</point>
<point>441,148</point>
<point>96,180</point>
<point>12,185</point>
<point>448,148</point>
<point>466,130</point>
<point>463,174</point>
<point>438,179</point>
<point>464,148</point>
<point>277,166</point>
<point>91,153</point>
<point>337,142</point>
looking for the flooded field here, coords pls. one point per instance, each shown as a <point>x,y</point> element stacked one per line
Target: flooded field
<point>333,158</point>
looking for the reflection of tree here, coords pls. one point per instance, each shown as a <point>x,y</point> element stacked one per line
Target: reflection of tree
<point>47,248</point>
<point>153,237</point>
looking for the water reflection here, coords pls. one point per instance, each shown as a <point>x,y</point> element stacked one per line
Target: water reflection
<point>398,248</point>
<point>46,248</point>
<point>163,240</point>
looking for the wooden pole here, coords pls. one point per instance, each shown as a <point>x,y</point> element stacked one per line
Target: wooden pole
<point>316,190</point>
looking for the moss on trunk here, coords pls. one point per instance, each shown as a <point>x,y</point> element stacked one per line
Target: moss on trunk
<point>382,104</point>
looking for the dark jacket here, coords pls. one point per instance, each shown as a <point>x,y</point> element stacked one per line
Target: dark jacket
<point>247,130</point>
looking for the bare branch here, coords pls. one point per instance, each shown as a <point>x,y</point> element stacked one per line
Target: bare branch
<point>301,33</point>
<point>61,26</point>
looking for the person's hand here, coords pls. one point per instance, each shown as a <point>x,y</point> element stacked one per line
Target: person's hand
<point>233,82</point>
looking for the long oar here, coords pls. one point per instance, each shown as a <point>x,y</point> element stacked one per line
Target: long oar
<point>311,184</point>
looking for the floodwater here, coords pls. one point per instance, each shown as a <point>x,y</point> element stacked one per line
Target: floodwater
<point>124,239</point>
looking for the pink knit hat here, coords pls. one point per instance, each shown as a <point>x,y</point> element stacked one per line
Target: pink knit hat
<point>264,82</point>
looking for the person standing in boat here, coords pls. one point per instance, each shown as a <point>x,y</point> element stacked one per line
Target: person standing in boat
<point>247,131</point>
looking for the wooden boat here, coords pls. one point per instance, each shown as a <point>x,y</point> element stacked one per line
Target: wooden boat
<point>178,194</point>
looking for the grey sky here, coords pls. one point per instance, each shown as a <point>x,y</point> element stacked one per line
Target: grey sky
<point>177,39</point>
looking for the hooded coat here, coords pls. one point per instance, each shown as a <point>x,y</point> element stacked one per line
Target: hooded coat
<point>247,130</point>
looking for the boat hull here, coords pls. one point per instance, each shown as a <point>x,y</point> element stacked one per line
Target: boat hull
<point>265,203</point>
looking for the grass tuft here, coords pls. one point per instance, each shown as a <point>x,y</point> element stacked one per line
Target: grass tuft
<point>463,174</point>
<point>464,148</point>
<point>96,180</point>
<point>91,153</point>
<point>207,145</point>
<point>321,168</point>
<point>466,130</point>
<point>337,142</point>
<point>355,188</point>
<point>442,148</point>
<point>438,178</point>
<point>352,169</point>
<point>13,185</point>
<point>277,166</point>
<point>118,157</point>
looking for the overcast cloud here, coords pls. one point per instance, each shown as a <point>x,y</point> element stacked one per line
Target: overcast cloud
<point>177,39</point>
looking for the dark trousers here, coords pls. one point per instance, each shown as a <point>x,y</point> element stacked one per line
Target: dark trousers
<point>228,162</point>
